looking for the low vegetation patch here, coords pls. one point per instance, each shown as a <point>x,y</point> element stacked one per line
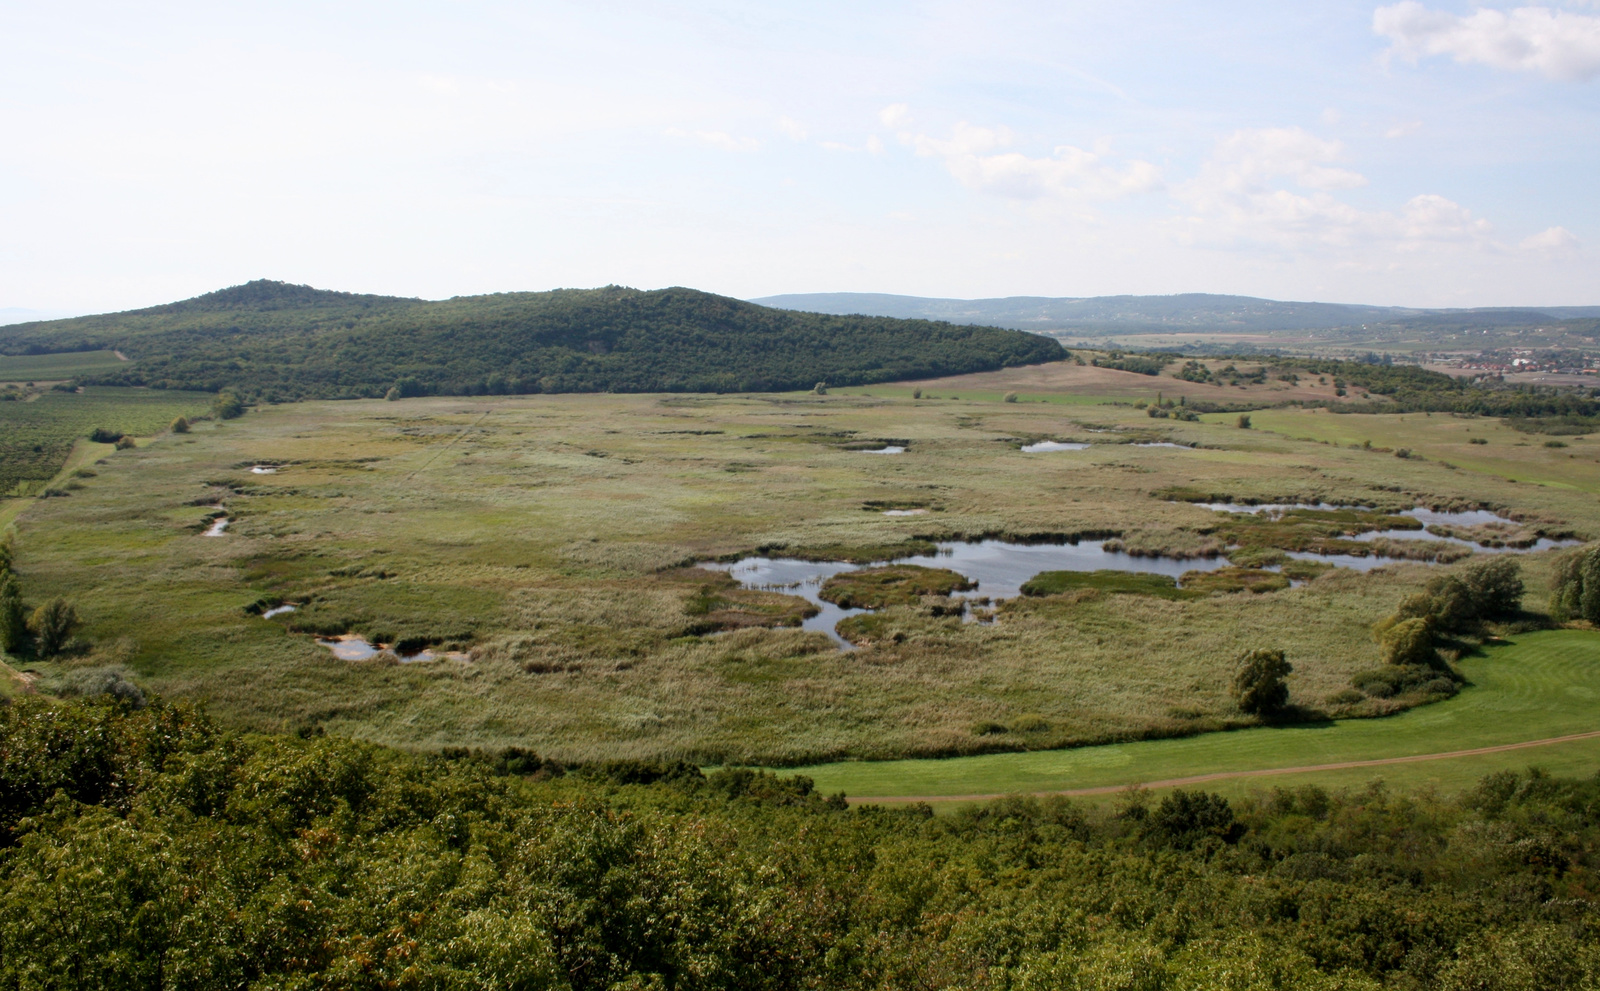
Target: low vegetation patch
<point>1111,582</point>
<point>896,584</point>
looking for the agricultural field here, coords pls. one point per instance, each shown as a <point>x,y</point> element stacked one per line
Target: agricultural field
<point>542,551</point>
<point>38,432</point>
<point>57,367</point>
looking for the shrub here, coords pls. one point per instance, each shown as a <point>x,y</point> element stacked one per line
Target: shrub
<point>227,406</point>
<point>1244,421</point>
<point>100,435</point>
<point>1555,443</point>
<point>180,425</point>
<point>125,443</point>
<point>1408,642</point>
<point>1495,588</point>
<point>988,728</point>
<point>1184,818</point>
<point>53,624</point>
<point>1258,685</point>
<point>1577,587</point>
<point>1477,440</point>
<point>820,389</point>
<point>1403,453</point>
<point>13,618</point>
<point>105,681</point>
<point>916,393</point>
<point>1010,397</point>
<point>393,393</point>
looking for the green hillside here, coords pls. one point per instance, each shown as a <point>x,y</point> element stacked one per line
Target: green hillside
<point>269,340</point>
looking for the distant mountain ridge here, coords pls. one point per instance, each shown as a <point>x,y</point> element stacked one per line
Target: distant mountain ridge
<point>1191,312</point>
<point>277,341</point>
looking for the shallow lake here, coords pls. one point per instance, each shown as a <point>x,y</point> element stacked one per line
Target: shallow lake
<point>1051,445</point>
<point>1001,567</point>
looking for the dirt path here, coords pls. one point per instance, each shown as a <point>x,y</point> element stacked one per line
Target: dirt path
<point>1218,775</point>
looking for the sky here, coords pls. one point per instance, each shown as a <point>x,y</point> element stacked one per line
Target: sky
<point>1420,153</point>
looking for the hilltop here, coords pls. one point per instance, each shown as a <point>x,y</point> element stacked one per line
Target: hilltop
<point>275,341</point>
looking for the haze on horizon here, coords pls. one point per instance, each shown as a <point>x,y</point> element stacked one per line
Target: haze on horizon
<point>1417,153</point>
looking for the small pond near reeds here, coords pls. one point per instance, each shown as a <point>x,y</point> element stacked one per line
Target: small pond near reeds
<point>891,449</point>
<point>1001,567</point>
<point>350,647</point>
<point>277,611</point>
<point>218,526</point>
<point>1043,446</point>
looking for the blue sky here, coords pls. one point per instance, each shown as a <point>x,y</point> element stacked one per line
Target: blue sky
<point>1419,153</point>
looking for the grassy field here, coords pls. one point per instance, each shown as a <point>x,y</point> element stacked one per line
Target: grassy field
<point>56,367</point>
<point>1542,685</point>
<point>544,535</point>
<point>1508,454</point>
<point>37,434</point>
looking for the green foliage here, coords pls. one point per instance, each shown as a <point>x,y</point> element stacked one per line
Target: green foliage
<point>1010,397</point>
<point>1123,582</point>
<point>1194,371</point>
<point>271,341</point>
<point>180,425</point>
<point>895,584</point>
<point>1408,642</point>
<point>1244,421</point>
<point>50,367</point>
<point>140,848</point>
<point>1142,364</point>
<point>52,626</point>
<point>1259,685</point>
<point>13,616</point>
<point>227,407</point>
<point>100,435</point>
<point>35,437</point>
<point>1577,586</point>
<point>1412,388</point>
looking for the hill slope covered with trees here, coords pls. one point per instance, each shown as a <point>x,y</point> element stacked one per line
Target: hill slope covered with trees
<point>273,341</point>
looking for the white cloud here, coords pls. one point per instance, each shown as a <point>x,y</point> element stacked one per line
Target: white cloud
<point>895,115</point>
<point>717,139</point>
<point>1238,198</point>
<point>1403,129</point>
<point>1558,43</point>
<point>975,156</point>
<point>793,128</point>
<point>1554,241</point>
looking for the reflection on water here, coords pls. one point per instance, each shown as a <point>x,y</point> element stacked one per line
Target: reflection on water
<point>264,470</point>
<point>277,611</point>
<point>891,449</point>
<point>1051,445</point>
<point>218,525</point>
<point>1000,568</point>
<point>1275,508</point>
<point>1164,443</point>
<point>350,647</point>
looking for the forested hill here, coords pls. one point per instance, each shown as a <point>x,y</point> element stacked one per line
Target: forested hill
<point>270,340</point>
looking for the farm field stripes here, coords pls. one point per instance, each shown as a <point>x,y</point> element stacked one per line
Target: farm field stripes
<point>36,436</point>
<point>55,367</point>
<point>1542,686</point>
<point>1198,779</point>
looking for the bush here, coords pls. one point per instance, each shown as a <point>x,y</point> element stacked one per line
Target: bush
<point>1408,642</point>
<point>393,393</point>
<point>1184,818</point>
<point>1577,587</point>
<point>53,624</point>
<point>13,618</point>
<point>820,389</point>
<point>180,425</point>
<point>111,682</point>
<point>916,393</point>
<point>1010,397</point>
<point>100,435</point>
<point>227,406</point>
<point>125,443</point>
<point>1244,421</point>
<point>1258,685</point>
<point>1495,588</point>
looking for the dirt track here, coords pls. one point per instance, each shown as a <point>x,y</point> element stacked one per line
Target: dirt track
<point>1218,775</point>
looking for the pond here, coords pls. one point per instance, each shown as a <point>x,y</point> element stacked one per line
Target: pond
<point>1001,567</point>
<point>277,611</point>
<point>1043,446</point>
<point>264,470</point>
<point>350,647</point>
<point>217,527</point>
<point>891,449</point>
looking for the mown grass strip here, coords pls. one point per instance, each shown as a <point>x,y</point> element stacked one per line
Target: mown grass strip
<point>1541,686</point>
